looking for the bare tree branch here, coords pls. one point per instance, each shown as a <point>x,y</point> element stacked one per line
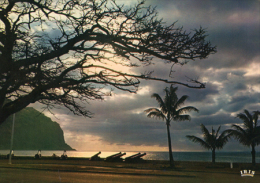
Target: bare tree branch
<point>66,52</point>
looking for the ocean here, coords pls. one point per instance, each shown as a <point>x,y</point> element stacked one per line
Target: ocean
<point>239,157</point>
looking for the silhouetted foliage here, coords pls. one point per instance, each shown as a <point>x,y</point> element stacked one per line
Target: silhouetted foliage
<point>66,52</point>
<point>249,133</point>
<point>170,109</point>
<point>212,140</point>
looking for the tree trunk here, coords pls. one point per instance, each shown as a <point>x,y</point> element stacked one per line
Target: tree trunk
<point>253,154</point>
<point>213,155</point>
<point>170,146</point>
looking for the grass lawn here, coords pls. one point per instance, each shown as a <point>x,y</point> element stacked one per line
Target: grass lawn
<point>191,172</point>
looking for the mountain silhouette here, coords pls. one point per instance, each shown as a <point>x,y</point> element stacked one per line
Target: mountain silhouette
<point>32,131</point>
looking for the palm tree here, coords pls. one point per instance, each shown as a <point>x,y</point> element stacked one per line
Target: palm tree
<point>249,135</point>
<point>170,110</point>
<point>211,140</point>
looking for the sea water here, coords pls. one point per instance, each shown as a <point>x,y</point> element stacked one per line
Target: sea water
<point>240,157</point>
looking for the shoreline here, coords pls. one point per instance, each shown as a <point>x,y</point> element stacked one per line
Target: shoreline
<point>242,157</point>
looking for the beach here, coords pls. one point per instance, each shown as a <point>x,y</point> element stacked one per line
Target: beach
<point>83,170</point>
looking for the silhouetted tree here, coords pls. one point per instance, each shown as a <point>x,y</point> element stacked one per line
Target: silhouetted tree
<point>170,109</point>
<point>249,134</point>
<point>65,52</point>
<point>211,140</point>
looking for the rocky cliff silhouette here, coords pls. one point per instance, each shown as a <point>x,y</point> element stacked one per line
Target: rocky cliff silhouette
<point>32,131</point>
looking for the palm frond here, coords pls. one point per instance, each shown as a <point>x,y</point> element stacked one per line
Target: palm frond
<point>222,139</point>
<point>249,116</point>
<point>199,141</point>
<point>225,133</point>
<point>170,99</point>
<point>255,117</point>
<point>155,113</point>
<point>181,117</point>
<point>168,106</point>
<point>218,130</point>
<point>256,139</point>
<point>150,110</point>
<point>239,134</point>
<point>180,101</point>
<point>159,100</point>
<point>239,129</point>
<point>220,142</point>
<point>205,132</point>
<point>250,134</point>
<point>245,118</point>
<point>211,139</point>
<point>257,130</point>
<point>173,90</point>
<point>186,109</point>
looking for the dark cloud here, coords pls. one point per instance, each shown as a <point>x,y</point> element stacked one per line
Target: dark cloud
<point>232,25</point>
<point>238,103</point>
<point>216,119</point>
<point>232,78</point>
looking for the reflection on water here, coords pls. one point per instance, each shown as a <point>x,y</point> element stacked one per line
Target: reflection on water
<point>78,154</point>
<point>244,157</point>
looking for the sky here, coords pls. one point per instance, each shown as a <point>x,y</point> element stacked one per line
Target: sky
<point>232,77</point>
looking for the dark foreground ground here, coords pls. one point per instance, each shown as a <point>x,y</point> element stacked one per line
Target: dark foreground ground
<point>25,170</point>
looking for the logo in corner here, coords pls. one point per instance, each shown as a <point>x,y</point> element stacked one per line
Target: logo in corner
<point>248,173</point>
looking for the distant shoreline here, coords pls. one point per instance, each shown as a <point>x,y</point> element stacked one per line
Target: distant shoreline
<point>241,157</point>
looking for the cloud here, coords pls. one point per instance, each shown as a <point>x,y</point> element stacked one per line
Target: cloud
<point>232,78</point>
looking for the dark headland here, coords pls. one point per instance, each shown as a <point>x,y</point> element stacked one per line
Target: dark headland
<point>33,131</point>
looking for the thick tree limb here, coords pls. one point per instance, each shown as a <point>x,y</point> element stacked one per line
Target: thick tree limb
<point>63,52</point>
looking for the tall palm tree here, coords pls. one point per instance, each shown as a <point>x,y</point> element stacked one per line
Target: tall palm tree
<point>211,140</point>
<point>249,135</point>
<point>170,110</point>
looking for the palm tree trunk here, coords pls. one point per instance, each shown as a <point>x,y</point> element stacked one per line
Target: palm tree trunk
<point>253,154</point>
<point>213,155</point>
<point>170,146</point>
